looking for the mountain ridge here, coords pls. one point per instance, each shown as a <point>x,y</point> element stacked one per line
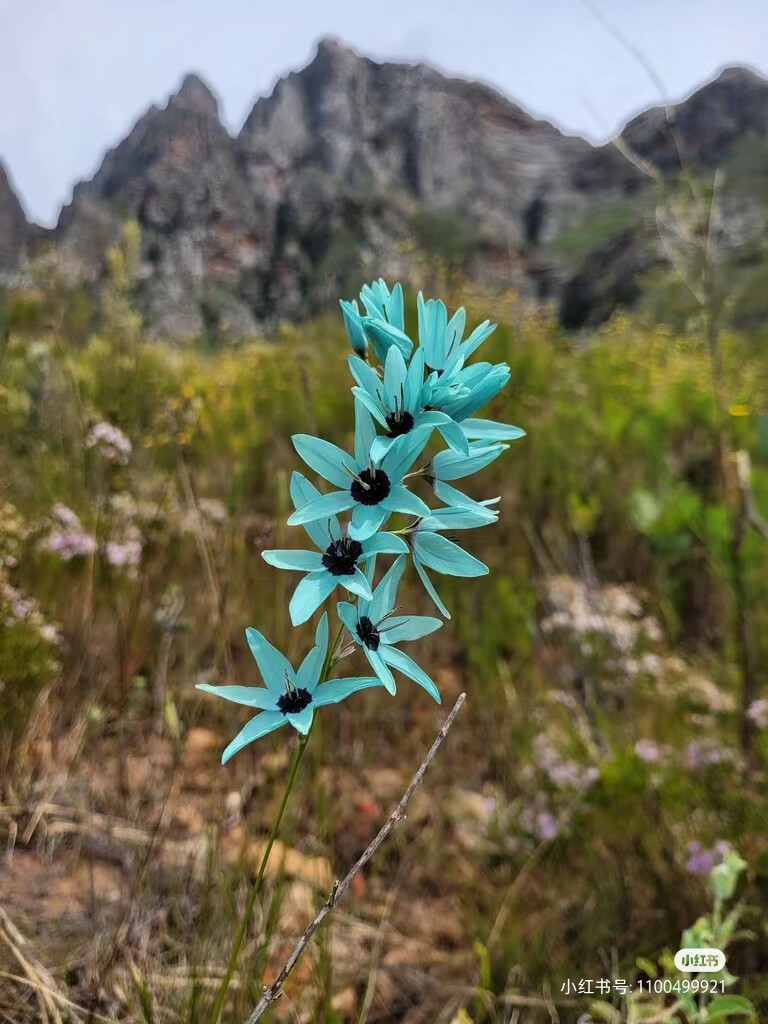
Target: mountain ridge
<point>336,169</point>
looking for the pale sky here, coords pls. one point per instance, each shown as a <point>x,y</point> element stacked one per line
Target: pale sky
<point>76,74</point>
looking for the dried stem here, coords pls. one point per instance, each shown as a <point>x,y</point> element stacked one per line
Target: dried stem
<point>274,991</point>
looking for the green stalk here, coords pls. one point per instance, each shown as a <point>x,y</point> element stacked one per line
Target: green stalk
<point>221,995</point>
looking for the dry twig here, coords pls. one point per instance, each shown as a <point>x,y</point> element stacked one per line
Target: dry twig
<point>274,991</point>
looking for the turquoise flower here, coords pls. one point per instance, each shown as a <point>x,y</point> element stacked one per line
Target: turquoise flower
<point>480,383</point>
<point>451,386</point>
<point>384,304</point>
<point>354,325</point>
<point>385,336</point>
<point>396,402</point>
<point>441,339</point>
<point>374,626</point>
<point>371,488</point>
<point>336,563</point>
<point>448,465</point>
<point>289,697</point>
<point>384,324</point>
<point>430,550</point>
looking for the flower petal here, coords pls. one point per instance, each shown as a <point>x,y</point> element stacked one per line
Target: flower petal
<point>259,726</point>
<point>370,571</point>
<point>384,336</point>
<point>365,435</point>
<point>253,696</point>
<point>488,430</point>
<point>272,664</point>
<point>433,320</point>
<point>354,325</point>
<point>310,594</point>
<point>347,613</point>
<point>367,378</point>
<point>442,555</point>
<point>399,659</point>
<point>400,499</point>
<point>357,583</point>
<point>384,544</point>
<point>381,303</point>
<point>476,338</point>
<point>366,519</point>
<point>482,392</point>
<point>377,664</point>
<point>414,382</point>
<point>459,518</point>
<point>302,492</point>
<point>430,589</point>
<point>302,561</point>
<point>457,499</point>
<point>385,594</point>
<point>400,628</point>
<point>455,437</point>
<point>309,671</point>
<point>325,458</point>
<point>380,447</point>
<point>302,720</point>
<point>321,634</point>
<point>323,507</point>
<point>395,373</point>
<point>449,465</point>
<point>371,404</point>
<point>336,690</point>
<point>401,456</point>
<point>454,332</point>
<point>396,306</point>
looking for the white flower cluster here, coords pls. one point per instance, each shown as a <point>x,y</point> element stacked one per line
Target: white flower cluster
<point>758,713</point>
<point>598,618</point>
<point>18,608</point>
<point>110,442</point>
<point>68,539</point>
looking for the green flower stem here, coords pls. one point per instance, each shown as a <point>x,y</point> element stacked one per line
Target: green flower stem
<point>221,995</point>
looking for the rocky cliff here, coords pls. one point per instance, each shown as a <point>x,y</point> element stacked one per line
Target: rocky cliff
<point>703,129</point>
<point>328,179</point>
<point>346,163</point>
<point>13,226</point>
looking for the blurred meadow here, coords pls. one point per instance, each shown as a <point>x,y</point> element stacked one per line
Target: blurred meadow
<point>614,745</point>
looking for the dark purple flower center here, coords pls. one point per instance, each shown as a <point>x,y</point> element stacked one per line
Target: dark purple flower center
<point>399,423</point>
<point>293,701</point>
<point>371,487</point>
<point>368,633</point>
<point>340,558</point>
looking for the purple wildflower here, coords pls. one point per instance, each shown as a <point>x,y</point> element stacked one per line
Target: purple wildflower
<point>110,442</point>
<point>758,713</point>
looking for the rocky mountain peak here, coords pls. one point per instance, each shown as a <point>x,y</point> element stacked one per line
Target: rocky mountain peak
<point>196,96</point>
<point>331,50</point>
<point>701,129</point>
<point>13,224</point>
<point>347,163</point>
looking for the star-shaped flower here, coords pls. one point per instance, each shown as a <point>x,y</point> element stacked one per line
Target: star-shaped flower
<point>385,319</point>
<point>430,550</point>
<point>376,628</point>
<point>448,465</point>
<point>372,489</point>
<point>336,563</point>
<point>289,697</point>
<point>441,339</point>
<point>396,402</point>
